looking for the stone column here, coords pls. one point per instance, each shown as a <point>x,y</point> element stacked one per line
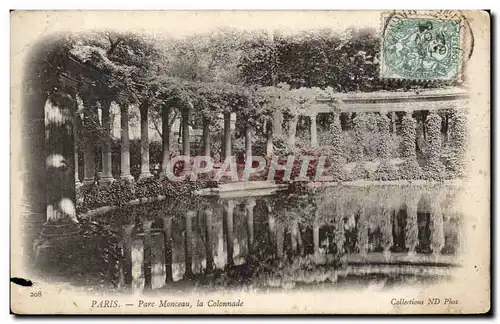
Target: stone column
<point>248,147</point>
<point>33,123</point>
<point>269,139</point>
<point>185,132</point>
<point>250,204</point>
<point>147,263</point>
<point>165,134</point>
<point>188,243</point>
<point>145,172</point>
<point>393,121</point>
<point>168,243</point>
<point>90,122</point>
<point>107,176</point>
<point>314,134</point>
<point>206,136</point>
<point>125,146</point>
<point>209,239</point>
<point>77,126</point>
<point>292,130</point>
<point>227,135</point>
<point>61,222</point>
<point>228,229</point>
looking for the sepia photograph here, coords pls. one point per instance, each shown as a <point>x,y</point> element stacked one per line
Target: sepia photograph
<point>250,162</point>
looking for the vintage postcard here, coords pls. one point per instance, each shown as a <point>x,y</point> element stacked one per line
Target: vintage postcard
<point>250,162</point>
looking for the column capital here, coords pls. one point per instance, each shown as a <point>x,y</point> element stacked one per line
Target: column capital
<point>146,224</point>
<point>250,203</point>
<point>190,214</point>
<point>229,204</point>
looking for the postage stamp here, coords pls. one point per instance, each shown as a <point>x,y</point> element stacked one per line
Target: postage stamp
<point>421,48</point>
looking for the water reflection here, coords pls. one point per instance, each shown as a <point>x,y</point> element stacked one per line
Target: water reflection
<point>341,234</point>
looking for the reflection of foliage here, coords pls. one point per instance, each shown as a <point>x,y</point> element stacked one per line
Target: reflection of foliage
<point>302,270</point>
<point>179,194</point>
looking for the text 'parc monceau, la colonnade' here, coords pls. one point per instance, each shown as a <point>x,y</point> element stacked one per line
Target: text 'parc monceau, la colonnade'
<point>61,122</point>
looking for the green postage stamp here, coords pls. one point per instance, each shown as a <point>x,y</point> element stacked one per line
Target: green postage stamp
<point>421,47</point>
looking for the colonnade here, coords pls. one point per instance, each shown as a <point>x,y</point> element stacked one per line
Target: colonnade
<point>283,238</point>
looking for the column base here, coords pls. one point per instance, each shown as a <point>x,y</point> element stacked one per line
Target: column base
<point>88,181</point>
<point>127,177</point>
<point>145,175</point>
<point>105,181</point>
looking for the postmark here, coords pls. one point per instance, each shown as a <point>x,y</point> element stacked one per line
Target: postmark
<point>422,47</point>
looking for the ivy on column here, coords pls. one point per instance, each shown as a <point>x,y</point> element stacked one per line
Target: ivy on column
<point>409,169</point>
<point>434,169</point>
<point>385,170</point>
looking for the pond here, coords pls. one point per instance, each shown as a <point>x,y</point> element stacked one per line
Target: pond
<point>329,237</point>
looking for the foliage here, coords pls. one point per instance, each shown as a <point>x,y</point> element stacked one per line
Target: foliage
<point>119,193</point>
<point>345,61</point>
